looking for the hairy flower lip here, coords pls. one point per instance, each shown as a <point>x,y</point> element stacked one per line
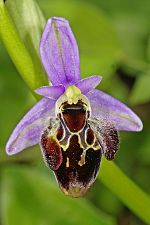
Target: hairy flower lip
<point>60,57</point>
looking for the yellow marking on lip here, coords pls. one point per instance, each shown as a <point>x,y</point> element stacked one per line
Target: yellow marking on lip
<point>65,147</point>
<point>96,148</point>
<point>67,163</point>
<point>82,160</point>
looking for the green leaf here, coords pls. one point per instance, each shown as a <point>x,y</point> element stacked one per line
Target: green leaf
<point>126,190</point>
<point>30,198</point>
<point>17,50</point>
<point>30,22</point>
<point>141,90</point>
<point>97,40</point>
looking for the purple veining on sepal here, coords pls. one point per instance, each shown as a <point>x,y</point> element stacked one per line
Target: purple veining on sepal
<point>88,84</point>
<point>28,130</point>
<point>52,92</point>
<point>59,52</point>
<point>105,106</point>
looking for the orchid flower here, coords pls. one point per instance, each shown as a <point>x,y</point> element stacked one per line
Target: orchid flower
<point>74,123</point>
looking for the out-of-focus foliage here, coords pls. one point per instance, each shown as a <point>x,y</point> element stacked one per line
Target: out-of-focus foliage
<point>141,91</point>
<point>36,201</point>
<point>131,19</point>
<point>113,38</point>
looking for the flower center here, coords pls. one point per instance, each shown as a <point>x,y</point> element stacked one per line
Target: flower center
<point>72,94</point>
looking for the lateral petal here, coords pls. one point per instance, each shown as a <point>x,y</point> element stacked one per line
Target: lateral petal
<point>52,92</point>
<point>88,84</point>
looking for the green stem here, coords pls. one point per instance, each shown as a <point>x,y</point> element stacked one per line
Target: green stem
<point>125,189</point>
<point>17,50</point>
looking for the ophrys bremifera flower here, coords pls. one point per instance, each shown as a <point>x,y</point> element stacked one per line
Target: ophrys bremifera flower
<point>74,123</point>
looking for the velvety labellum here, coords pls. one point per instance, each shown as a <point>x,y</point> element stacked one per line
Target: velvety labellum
<point>72,147</point>
<point>51,150</point>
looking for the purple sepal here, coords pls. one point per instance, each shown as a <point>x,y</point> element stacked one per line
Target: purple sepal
<point>28,130</point>
<point>52,92</point>
<point>59,52</point>
<point>105,106</point>
<point>88,84</point>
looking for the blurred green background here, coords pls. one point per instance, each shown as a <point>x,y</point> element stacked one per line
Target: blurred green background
<point>114,42</point>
